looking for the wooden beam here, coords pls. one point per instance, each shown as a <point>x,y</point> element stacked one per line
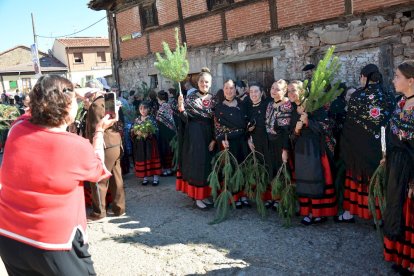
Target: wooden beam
<point>273,14</point>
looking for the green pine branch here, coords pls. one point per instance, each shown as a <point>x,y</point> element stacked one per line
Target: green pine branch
<point>282,186</point>
<point>174,65</point>
<point>256,179</point>
<point>318,94</point>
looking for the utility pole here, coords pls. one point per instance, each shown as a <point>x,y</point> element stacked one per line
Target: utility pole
<point>34,31</point>
<point>35,54</point>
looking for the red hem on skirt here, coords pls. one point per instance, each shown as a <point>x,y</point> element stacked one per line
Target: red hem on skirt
<point>327,205</point>
<point>356,198</point>
<point>197,193</point>
<point>402,252</point>
<point>148,168</point>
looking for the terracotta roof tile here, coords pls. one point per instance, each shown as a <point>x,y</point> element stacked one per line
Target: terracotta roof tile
<point>76,42</point>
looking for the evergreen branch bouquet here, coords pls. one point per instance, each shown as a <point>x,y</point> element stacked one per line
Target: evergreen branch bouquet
<point>174,148</point>
<point>145,129</point>
<point>256,179</point>
<point>227,169</point>
<point>376,194</point>
<point>8,114</point>
<point>378,187</point>
<point>318,95</point>
<point>282,186</point>
<point>175,65</point>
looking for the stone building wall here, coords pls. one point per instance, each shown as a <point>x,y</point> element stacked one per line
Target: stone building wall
<point>385,39</point>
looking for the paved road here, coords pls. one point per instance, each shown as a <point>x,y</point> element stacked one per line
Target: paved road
<point>162,234</point>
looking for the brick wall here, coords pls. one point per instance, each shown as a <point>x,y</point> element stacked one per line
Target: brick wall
<point>248,20</point>
<point>128,22</point>
<point>291,13</point>
<point>167,11</point>
<point>167,35</point>
<point>204,31</point>
<point>193,7</point>
<point>364,5</point>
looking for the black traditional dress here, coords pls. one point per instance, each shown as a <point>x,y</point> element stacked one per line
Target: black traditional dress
<point>147,158</point>
<point>278,125</point>
<point>196,157</point>
<point>368,110</point>
<point>167,130</point>
<point>399,213</point>
<point>257,116</point>
<point>231,122</point>
<point>314,148</point>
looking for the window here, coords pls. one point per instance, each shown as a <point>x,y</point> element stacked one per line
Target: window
<point>153,81</point>
<point>101,57</point>
<point>78,57</point>
<point>148,15</point>
<point>26,85</point>
<point>216,4</point>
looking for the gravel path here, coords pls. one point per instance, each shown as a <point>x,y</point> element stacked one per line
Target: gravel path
<point>163,234</point>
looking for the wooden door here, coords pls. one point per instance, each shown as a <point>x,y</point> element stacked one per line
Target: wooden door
<point>260,70</point>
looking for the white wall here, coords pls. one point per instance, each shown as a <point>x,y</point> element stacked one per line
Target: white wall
<point>59,52</point>
<point>76,77</point>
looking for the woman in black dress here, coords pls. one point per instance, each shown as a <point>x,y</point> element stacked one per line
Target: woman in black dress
<point>399,212</point>
<point>198,142</point>
<point>258,140</point>
<point>278,119</point>
<point>167,130</point>
<point>230,127</point>
<point>369,109</point>
<point>313,147</point>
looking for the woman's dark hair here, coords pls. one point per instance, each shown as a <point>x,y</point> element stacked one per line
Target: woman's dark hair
<point>173,92</point>
<point>257,84</point>
<point>407,68</point>
<point>163,96</point>
<point>372,73</point>
<point>132,93</point>
<point>145,104</point>
<point>241,83</point>
<point>152,95</point>
<point>219,97</point>
<point>50,99</point>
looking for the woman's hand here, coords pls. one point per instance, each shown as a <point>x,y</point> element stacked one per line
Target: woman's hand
<point>251,145</point>
<point>211,145</point>
<point>300,109</point>
<point>105,123</point>
<point>299,126</point>
<point>411,190</point>
<point>382,161</point>
<point>285,156</point>
<point>181,102</point>
<point>225,144</point>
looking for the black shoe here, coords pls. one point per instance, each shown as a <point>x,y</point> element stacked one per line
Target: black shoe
<point>164,174</point>
<point>340,219</point>
<point>144,183</point>
<point>204,208</point>
<point>319,220</point>
<point>239,205</point>
<point>155,182</point>
<point>275,206</point>
<point>307,221</point>
<point>268,204</point>
<point>246,203</point>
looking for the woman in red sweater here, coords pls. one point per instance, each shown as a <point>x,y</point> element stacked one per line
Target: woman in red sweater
<point>43,219</point>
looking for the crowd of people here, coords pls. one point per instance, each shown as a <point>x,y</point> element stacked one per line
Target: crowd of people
<point>241,117</point>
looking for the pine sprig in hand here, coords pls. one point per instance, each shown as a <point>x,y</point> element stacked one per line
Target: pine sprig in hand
<point>256,179</point>
<point>282,186</point>
<point>175,65</point>
<point>318,96</point>
<point>227,169</point>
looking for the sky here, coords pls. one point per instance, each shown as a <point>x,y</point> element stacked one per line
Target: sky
<point>52,18</point>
